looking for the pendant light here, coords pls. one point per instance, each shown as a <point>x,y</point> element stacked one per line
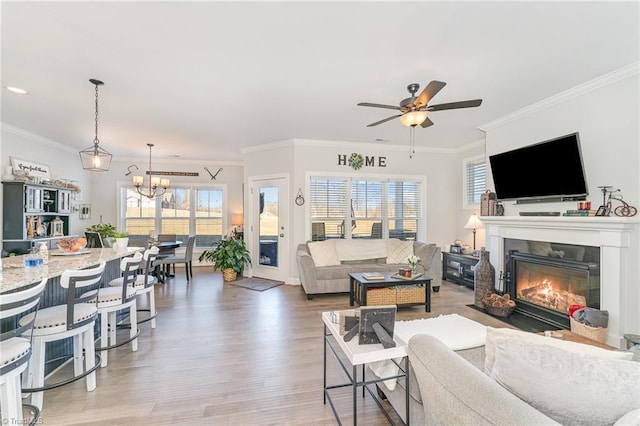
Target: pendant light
<point>95,158</point>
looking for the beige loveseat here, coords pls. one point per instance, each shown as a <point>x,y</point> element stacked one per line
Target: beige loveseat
<point>518,378</point>
<point>324,266</point>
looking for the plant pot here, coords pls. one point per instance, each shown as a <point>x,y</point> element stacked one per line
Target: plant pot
<point>122,243</point>
<point>229,274</point>
<point>436,288</point>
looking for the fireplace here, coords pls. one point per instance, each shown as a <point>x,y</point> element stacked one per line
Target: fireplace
<point>544,287</point>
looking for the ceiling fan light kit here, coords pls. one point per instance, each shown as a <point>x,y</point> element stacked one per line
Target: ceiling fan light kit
<point>95,158</point>
<point>413,118</point>
<point>154,181</point>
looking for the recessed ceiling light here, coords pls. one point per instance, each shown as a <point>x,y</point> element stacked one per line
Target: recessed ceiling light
<point>173,156</point>
<point>17,90</point>
<point>382,140</point>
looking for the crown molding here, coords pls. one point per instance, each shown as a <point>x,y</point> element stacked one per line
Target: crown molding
<point>36,138</point>
<point>582,89</point>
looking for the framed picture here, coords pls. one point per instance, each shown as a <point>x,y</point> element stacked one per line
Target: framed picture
<point>383,315</point>
<point>85,211</point>
<point>602,211</point>
<point>455,249</point>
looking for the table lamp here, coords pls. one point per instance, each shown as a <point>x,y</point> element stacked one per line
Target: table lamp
<point>237,220</point>
<point>474,223</point>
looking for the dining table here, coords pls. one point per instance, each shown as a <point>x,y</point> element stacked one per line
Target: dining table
<point>166,249</point>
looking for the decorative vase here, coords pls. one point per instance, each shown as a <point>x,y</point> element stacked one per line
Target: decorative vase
<point>484,278</point>
<point>229,274</point>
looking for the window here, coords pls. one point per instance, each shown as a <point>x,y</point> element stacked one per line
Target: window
<point>182,211</point>
<point>474,180</point>
<point>372,208</point>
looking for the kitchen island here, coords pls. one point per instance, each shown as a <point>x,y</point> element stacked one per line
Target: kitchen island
<point>14,275</point>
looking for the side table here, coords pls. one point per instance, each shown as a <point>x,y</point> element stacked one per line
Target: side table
<point>359,355</point>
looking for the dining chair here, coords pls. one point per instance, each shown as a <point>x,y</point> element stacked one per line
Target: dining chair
<point>187,258</point>
<point>164,252</point>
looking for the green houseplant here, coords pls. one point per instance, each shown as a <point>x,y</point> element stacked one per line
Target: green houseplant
<point>230,256</point>
<point>106,230</point>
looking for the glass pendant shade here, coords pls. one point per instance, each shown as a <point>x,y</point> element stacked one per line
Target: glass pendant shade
<point>94,158</point>
<point>413,118</point>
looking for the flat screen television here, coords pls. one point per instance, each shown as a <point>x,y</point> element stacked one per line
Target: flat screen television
<point>546,170</point>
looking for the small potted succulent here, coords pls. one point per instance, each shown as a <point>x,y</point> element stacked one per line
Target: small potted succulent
<point>230,256</point>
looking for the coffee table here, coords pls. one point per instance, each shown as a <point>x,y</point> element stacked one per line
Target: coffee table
<point>360,355</point>
<point>359,285</point>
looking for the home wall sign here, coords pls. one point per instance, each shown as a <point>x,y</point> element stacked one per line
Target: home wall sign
<point>155,172</point>
<point>357,161</point>
<point>31,168</point>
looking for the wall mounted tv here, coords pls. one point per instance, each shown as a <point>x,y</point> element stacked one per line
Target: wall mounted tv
<point>547,171</point>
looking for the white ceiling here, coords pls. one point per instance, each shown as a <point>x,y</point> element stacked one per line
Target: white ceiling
<point>206,79</point>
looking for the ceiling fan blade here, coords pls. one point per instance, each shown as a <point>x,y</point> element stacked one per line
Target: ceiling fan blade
<point>384,120</point>
<point>429,92</point>
<point>427,123</point>
<point>368,104</point>
<point>455,105</point>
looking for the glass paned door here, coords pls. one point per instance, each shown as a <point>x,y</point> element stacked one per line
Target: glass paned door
<point>269,254</point>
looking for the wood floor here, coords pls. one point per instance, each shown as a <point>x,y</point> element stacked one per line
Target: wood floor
<point>225,355</point>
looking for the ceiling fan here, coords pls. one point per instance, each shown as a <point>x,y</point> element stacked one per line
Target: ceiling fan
<point>414,108</point>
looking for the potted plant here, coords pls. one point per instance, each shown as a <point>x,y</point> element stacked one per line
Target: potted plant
<point>122,239</point>
<point>230,256</point>
<point>106,230</point>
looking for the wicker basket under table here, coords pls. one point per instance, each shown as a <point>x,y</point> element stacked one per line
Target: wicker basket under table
<point>381,296</point>
<point>409,294</point>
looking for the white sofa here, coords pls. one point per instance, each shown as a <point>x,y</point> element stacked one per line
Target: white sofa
<point>324,266</point>
<point>519,378</point>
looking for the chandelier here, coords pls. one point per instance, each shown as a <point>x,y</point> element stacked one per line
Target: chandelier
<point>154,182</point>
<point>95,158</point>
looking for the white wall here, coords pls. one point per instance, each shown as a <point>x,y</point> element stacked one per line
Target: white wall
<point>605,112</point>
<point>63,163</point>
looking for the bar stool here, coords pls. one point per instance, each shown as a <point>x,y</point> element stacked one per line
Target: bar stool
<point>111,300</point>
<point>74,319</point>
<point>144,284</point>
<point>15,352</point>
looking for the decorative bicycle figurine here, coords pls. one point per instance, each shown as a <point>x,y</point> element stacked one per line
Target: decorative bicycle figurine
<point>624,210</point>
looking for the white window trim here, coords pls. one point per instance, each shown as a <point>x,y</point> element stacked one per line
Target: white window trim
<point>226,219</point>
<point>421,235</point>
<point>466,205</point>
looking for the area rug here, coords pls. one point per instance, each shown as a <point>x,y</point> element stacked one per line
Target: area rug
<point>257,284</point>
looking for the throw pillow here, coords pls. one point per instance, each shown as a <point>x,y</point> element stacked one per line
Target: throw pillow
<point>324,253</point>
<point>571,388</point>
<point>495,334</point>
<point>398,251</point>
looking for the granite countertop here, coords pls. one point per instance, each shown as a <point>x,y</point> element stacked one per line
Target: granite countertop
<point>15,275</point>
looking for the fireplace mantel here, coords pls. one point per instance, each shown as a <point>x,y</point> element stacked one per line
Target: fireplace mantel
<point>618,239</point>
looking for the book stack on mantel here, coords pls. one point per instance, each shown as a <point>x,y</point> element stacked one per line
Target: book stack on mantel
<point>580,213</point>
<point>369,276</point>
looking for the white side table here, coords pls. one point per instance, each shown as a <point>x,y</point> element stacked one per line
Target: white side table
<point>357,355</point>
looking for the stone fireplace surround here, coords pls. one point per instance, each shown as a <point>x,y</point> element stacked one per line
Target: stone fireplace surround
<point>619,241</point>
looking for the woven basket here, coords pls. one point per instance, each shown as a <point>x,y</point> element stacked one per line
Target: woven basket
<point>381,296</point>
<point>409,294</point>
<point>598,334</point>
<point>499,311</point>
<point>229,274</point>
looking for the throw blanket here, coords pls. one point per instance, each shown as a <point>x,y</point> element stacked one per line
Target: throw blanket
<point>360,249</point>
<point>455,331</point>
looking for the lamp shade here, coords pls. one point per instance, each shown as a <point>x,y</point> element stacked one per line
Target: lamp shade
<point>413,118</point>
<point>474,222</point>
<point>237,220</point>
